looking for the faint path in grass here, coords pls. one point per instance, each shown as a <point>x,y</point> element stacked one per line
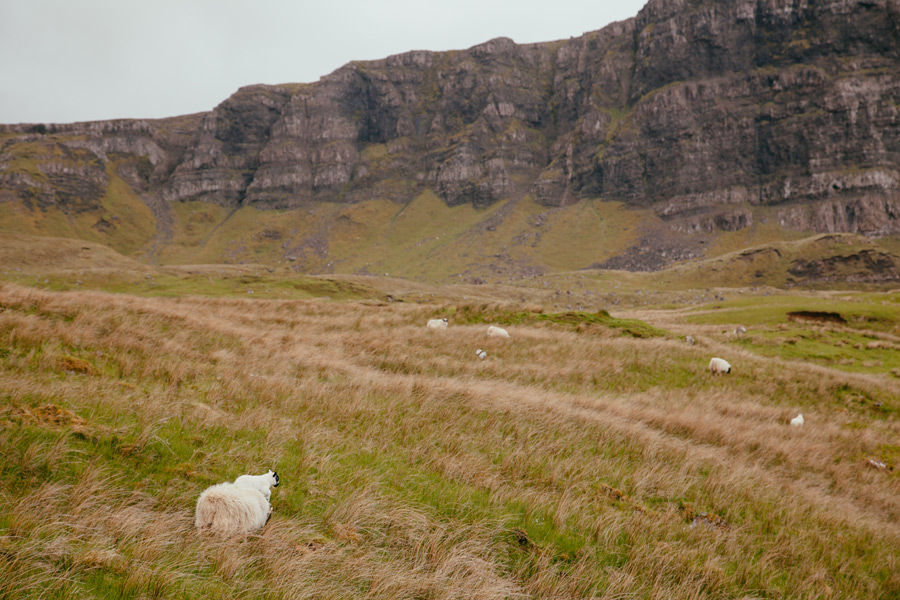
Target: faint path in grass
<point>775,470</point>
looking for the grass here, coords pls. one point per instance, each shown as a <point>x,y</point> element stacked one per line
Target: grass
<point>64,264</point>
<point>131,223</point>
<point>572,462</point>
<point>174,282</point>
<point>770,264</point>
<point>422,239</point>
<point>119,219</point>
<point>867,340</point>
<point>860,310</point>
<point>579,320</point>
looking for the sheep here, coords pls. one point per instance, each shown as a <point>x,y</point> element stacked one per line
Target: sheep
<point>689,339</point>
<point>797,421</point>
<point>718,366</point>
<point>236,508</point>
<point>493,331</point>
<point>261,483</point>
<point>481,354</point>
<point>437,323</point>
<point>879,464</point>
<point>740,330</point>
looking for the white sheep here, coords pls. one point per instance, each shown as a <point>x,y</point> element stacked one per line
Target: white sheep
<point>718,366</point>
<point>481,354</point>
<point>493,331</point>
<point>262,483</point>
<point>236,508</point>
<point>797,421</point>
<point>437,323</point>
<point>689,339</point>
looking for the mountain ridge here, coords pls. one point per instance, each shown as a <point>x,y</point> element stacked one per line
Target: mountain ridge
<point>704,118</point>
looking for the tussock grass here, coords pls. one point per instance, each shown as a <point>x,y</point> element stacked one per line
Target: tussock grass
<point>580,320</point>
<point>572,462</point>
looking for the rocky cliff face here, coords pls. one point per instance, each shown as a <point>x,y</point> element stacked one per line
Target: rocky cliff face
<point>714,115</point>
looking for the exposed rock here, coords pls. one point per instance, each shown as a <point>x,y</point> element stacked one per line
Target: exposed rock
<point>651,254</point>
<point>816,316</point>
<point>708,113</point>
<point>878,214</point>
<point>865,266</point>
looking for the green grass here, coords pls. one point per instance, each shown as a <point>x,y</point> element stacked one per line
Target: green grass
<point>867,342</point>
<point>579,320</point>
<point>64,264</point>
<point>841,350</point>
<point>246,285</point>
<point>119,219</point>
<point>871,311</point>
<point>770,263</point>
<point>132,223</point>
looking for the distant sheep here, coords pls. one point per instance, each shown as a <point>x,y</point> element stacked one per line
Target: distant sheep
<point>740,330</point>
<point>236,508</point>
<point>719,366</point>
<point>797,421</point>
<point>437,323</point>
<point>493,331</point>
<point>689,339</point>
<point>481,354</point>
<point>879,464</point>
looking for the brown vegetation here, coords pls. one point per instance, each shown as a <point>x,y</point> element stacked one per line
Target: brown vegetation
<point>568,464</point>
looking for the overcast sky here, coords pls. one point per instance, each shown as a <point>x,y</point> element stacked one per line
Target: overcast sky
<point>79,60</point>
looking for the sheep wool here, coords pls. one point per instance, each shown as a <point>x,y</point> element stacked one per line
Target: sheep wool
<point>719,366</point>
<point>493,331</point>
<point>797,421</point>
<point>236,508</point>
<point>481,354</point>
<point>437,323</point>
<point>262,483</point>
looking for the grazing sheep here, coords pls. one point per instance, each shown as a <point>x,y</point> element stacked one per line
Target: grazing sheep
<point>689,339</point>
<point>481,354</point>
<point>236,508</point>
<point>437,323</point>
<point>718,366</point>
<point>879,464</point>
<point>493,331</point>
<point>797,421</point>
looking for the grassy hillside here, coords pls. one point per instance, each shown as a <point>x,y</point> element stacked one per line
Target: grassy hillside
<point>113,215</point>
<point>845,259</point>
<point>421,239</point>
<point>37,255</point>
<point>67,264</point>
<point>578,460</point>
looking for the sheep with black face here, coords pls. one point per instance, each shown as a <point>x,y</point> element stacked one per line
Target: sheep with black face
<point>437,323</point>
<point>719,366</point>
<point>236,508</point>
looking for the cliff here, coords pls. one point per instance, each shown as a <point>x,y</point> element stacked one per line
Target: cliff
<point>710,117</point>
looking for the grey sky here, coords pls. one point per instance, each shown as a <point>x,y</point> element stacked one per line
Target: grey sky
<point>78,60</point>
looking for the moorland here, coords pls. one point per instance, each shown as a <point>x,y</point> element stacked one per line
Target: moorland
<point>591,454</point>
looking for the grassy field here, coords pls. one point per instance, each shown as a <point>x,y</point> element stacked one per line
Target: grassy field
<point>589,456</point>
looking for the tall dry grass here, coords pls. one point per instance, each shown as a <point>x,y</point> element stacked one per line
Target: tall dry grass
<point>566,465</point>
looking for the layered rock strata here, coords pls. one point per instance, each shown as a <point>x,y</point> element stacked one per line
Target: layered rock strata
<point>714,115</point>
